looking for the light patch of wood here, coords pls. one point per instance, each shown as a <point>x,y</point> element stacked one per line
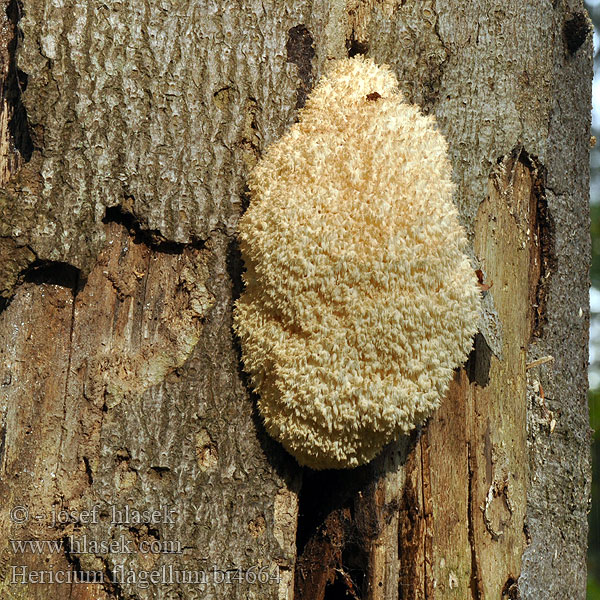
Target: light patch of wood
<point>206,451</point>
<point>286,519</point>
<point>449,558</point>
<point>257,526</point>
<point>285,523</point>
<point>4,142</point>
<point>5,150</point>
<point>463,509</point>
<point>508,246</point>
<point>169,296</point>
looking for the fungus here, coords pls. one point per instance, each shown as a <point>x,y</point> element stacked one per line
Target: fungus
<point>359,300</point>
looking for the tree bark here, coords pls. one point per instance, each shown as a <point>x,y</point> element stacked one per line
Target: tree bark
<point>127,131</point>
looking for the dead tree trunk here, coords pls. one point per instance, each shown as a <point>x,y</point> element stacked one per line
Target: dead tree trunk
<point>127,131</point>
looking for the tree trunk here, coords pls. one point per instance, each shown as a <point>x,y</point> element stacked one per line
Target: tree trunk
<point>127,131</point>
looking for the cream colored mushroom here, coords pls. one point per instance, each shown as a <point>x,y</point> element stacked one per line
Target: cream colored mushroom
<point>359,301</point>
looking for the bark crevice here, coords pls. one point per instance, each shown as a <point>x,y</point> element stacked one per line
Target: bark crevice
<point>476,587</point>
<point>152,238</point>
<point>15,83</point>
<point>301,51</point>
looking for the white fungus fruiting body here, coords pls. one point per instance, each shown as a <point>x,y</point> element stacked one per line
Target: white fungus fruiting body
<point>359,301</point>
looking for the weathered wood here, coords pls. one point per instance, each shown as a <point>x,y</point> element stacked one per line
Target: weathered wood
<point>476,471</point>
<point>103,413</point>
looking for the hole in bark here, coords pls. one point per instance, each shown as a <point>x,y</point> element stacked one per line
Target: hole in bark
<point>245,199</point>
<point>53,273</point>
<point>235,268</point>
<point>2,442</point>
<point>478,363</point>
<point>14,85</point>
<point>342,588</point>
<point>338,519</point>
<point>575,31</point>
<point>355,47</point>
<point>354,561</point>
<point>341,514</point>
<point>160,470</point>
<point>301,51</point>
<point>88,470</point>
<point>545,227</point>
<point>511,589</point>
<point>311,511</point>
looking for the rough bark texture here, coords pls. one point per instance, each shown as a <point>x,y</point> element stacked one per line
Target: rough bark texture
<point>126,134</point>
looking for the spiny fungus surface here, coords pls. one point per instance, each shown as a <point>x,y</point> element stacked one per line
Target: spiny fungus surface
<point>359,301</point>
